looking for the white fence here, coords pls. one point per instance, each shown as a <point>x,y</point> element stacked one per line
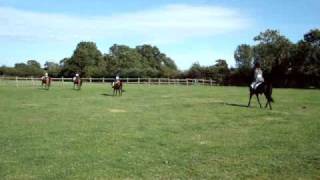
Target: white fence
<point>30,81</point>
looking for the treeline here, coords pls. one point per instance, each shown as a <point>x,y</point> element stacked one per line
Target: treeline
<point>141,61</point>
<point>285,64</point>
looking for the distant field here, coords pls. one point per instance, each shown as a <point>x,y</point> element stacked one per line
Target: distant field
<point>157,132</point>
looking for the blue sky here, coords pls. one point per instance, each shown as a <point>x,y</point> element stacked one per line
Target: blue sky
<point>187,31</point>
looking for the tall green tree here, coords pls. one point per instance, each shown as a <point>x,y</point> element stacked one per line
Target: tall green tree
<point>311,66</point>
<point>273,50</point>
<point>52,68</point>
<point>85,58</point>
<point>313,36</point>
<point>34,64</point>
<point>125,60</point>
<point>31,68</point>
<point>244,56</point>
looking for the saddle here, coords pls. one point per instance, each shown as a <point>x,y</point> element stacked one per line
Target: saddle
<point>255,85</point>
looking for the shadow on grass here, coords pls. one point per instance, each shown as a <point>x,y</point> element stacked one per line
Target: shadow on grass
<point>44,89</point>
<point>106,94</point>
<point>236,105</point>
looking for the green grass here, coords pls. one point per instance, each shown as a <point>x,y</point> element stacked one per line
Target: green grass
<point>157,132</point>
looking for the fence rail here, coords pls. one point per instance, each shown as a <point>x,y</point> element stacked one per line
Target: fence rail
<point>31,81</point>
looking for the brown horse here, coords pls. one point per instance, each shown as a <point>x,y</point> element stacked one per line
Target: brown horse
<point>263,88</point>
<point>77,83</point>
<point>46,82</point>
<point>117,88</point>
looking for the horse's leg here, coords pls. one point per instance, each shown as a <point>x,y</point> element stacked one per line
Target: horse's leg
<point>268,97</point>
<point>258,100</point>
<point>268,102</point>
<point>270,105</point>
<point>250,99</point>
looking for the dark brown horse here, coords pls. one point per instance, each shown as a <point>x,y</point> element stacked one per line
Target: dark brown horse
<point>117,88</point>
<point>77,83</point>
<point>263,88</point>
<point>46,82</point>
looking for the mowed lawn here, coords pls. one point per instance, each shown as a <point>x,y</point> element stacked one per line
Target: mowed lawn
<point>157,132</point>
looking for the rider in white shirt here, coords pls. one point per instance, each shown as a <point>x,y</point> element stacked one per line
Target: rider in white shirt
<point>75,77</point>
<point>258,76</point>
<point>117,80</point>
<point>45,76</point>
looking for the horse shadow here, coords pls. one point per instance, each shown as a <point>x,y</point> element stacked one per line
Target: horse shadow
<point>43,89</point>
<point>236,105</point>
<point>106,94</point>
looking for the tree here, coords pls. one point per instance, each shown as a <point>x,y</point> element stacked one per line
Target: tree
<point>220,71</point>
<point>156,63</point>
<point>31,68</point>
<point>52,68</point>
<point>34,64</point>
<point>313,36</point>
<point>85,58</point>
<point>273,51</point>
<point>195,71</point>
<point>244,56</point>
<point>125,60</point>
<point>311,65</point>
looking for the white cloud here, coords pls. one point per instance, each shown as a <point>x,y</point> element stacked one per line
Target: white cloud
<point>171,23</point>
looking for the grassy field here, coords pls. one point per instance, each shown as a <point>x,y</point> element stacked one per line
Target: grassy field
<point>157,132</point>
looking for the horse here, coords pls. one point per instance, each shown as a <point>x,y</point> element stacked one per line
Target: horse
<point>263,88</point>
<point>117,88</point>
<point>77,83</point>
<point>46,81</point>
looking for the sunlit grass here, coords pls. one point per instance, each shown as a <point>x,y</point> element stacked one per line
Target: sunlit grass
<point>162,132</point>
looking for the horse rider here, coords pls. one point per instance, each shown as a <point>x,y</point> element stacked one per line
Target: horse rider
<point>117,80</point>
<point>75,77</point>
<point>258,76</point>
<point>45,76</point>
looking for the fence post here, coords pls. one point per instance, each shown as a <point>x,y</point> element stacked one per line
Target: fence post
<point>103,80</point>
<point>17,81</point>
<point>159,81</point>
<point>168,81</point>
<point>149,81</point>
<point>62,81</point>
<point>127,80</point>
<point>210,82</point>
<point>90,80</point>
<point>32,80</point>
<point>138,80</point>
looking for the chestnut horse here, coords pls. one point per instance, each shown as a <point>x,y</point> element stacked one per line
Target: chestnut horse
<point>117,88</point>
<point>77,83</point>
<point>46,82</point>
